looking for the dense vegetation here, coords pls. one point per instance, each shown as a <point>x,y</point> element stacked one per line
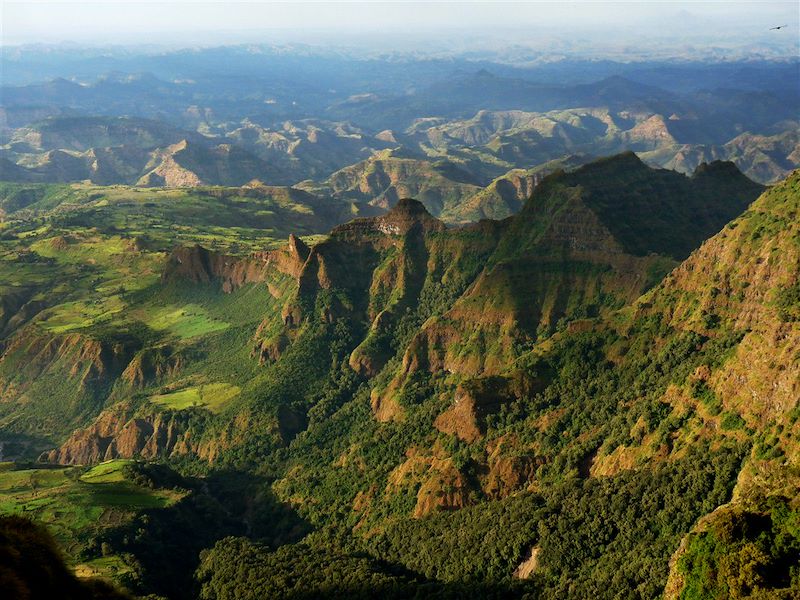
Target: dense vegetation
<point>742,553</point>
<point>32,566</point>
<point>595,538</point>
<point>508,409</point>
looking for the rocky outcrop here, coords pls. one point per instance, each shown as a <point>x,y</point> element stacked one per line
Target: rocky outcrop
<point>164,170</point>
<point>81,357</point>
<point>529,564</point>
<point>116,434</point>
<point>199,265</point>
<point>649,134</point>
<point>441,485</point>
<point>152,365</point>
<point>473,401</point>
<point>406,214</point>
<point>508,474</point>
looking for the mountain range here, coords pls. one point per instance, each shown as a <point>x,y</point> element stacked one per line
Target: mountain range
<point>439,408</point>
<point>277,322</point>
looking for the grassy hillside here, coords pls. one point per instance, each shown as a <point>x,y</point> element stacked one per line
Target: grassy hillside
<point>620,417</point>
<point>545,405</point>
<point>78,505</point>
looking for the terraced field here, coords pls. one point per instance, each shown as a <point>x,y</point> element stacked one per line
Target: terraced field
<point>77,504</point>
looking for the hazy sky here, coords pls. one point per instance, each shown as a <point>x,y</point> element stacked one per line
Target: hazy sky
<point>201,22</point>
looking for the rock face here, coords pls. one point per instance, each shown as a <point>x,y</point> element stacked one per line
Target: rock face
<point>441,485</point>
<point>168,172</point>
<point>82,357</point>
<point>473,401</point>
<point>200,265</point>
<point>150,365</point>
<point>116,435</point>
<point>529,564</point>
<point>508,474</point>
<point>650,134</point>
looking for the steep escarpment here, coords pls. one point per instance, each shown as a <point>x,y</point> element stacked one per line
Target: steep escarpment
<point>199,265</point>
<point>69,375</point>
<point>745,279</point>
<point>693,381</point>
<point>627,385</point>
<point>656,210</point>
<point>377,272</point>
<point>707,357</point>
<point>586,242</point>
<point>470,300</point>
<point>116,433</point>
<point>402,298</point>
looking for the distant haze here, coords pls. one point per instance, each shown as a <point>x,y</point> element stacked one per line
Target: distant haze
<point>569,27</point>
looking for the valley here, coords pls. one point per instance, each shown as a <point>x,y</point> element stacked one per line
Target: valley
<point>398,368</point>
<point>278,322</point>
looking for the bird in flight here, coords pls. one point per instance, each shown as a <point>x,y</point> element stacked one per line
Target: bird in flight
<point>778,27</point>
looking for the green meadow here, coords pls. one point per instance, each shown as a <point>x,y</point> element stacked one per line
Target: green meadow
<point>212,396</point>
<point>184,322</point>
<point>77,504</point>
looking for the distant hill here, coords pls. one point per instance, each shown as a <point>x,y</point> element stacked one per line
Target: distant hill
<point>388,176</point>
<point>80,134</point>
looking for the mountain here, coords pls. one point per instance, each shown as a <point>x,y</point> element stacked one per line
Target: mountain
<point>288,321</point>
<point>469,127</point>
<point>309,149</point>
<point>186,164</point>
<point>477,296</point>
<point>481,292</point>
<point>551,404</point>
<point>463,93</point>
<point>507,194</point>
<point>390,175</point>
<point>109,150</point>
<point>80,134</point>
<point>520,139</point>
<point>767,158</point>
<point>128,151</point>
<point>525,471</point>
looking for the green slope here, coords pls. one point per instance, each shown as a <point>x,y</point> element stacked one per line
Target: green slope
<point>446,407</point>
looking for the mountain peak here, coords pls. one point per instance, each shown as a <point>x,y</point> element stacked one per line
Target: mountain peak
<point>627,158</point>
<point>404,216</point>
<point>651,210</point>
<point>298,247</point>
<point>409,207</point>
<point>407,214</point>
<point>718,168</point>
